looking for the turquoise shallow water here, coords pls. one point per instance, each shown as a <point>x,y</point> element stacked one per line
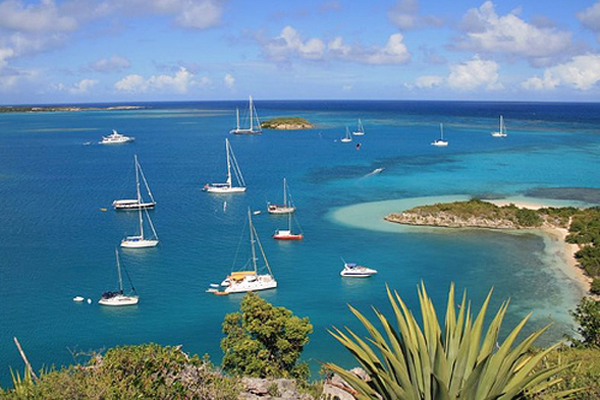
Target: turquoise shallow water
<point>55,242</point>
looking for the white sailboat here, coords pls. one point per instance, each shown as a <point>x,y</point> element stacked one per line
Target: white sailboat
<point>138,202</point>
<point>347,138</point>
<point>360,130</point>
<point>119,298</point>
<point>141,241</point>
<point>501,132</point>
<point>287,234</point>
<point>287,207</point>
<point>250,280</point>
<point>254,123</point>
<point>227,187</point>
<point>440,142</point>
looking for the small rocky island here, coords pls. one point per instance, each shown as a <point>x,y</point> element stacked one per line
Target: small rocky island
<point>287,123</point>
<point>477,213</point>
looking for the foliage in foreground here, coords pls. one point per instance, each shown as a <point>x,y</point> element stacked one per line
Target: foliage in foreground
<point>429,364</point>
<point>583,371</point>
<point>146,371</point>
<point>587,315</point>
<point>264,341</point>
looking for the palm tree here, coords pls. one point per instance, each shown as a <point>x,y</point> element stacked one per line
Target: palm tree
<point>407,362</point>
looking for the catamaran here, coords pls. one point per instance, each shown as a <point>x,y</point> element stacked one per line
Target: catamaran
<point>287,234</point>
<point>119,298</point>
<point>138,202</point>
<point>360,129</point>
<point>440,142</point>
<point>116,138</point>
<point>254,125</point>
<point>501,132</point>
<point>287,207</point>
<point>250,280</point>
<point>227,187</point>
<point>347,138</point>
<point>141,241</point>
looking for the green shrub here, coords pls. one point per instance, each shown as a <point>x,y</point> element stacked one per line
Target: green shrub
<point>264,341</point>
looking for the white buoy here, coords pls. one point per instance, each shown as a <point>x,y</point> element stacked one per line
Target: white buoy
<point>89,301</point>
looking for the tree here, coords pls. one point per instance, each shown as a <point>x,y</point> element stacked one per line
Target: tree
<point>264,341</point>
<point>461,362</point>
<point>587,315</point>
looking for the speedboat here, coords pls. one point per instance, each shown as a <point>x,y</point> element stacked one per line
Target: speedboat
<point>353,270</point>
<point>116,138</point>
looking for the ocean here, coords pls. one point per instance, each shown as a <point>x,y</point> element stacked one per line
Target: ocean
<point>57,242</point>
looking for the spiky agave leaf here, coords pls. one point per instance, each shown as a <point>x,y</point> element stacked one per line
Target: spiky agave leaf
<point>407,362</point>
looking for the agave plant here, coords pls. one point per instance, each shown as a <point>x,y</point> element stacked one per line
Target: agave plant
<point>407,362</point>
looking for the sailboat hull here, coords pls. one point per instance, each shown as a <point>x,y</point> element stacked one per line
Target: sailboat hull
<point>287,235</point>
<point>252,284</point>
<point>132,205</point>
<point>245,131</point>
<point>119,300</point>
<point>279,209</point>
<point>135,242</point>
<point>223,189</point>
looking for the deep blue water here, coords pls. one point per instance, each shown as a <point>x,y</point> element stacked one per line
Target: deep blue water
<point>56,242</point>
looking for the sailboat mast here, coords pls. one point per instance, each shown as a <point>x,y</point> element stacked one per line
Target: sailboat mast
<point>251,116</point>
<point>284,193</point>
<point>228,162</point>
<point>252,240</point>
<point>501,124</point>
<point>119,271</point>
<point>237,118</point>
<point>442,131</point>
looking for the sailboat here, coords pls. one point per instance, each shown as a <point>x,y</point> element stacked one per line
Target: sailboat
<point>138,202</point>
<point>347,138</point>
<point>254,125</point>
<point>502,129</point>
<point>440,142</point>
<point>360,129</point>
<point>287,207</point>
<point>140,241</point>
<point>250,280</point>
<point>286,234</point>
<point>227,187</point>
<point>119,298</point>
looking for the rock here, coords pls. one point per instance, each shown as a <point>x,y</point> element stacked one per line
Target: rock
<point>271,389</point>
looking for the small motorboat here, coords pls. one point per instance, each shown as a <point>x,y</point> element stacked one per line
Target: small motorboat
<point>353,270</point>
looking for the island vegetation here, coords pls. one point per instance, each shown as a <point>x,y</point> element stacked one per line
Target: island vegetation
<point>33,109</point>
<point>287,123</point>
<point>419,362</point>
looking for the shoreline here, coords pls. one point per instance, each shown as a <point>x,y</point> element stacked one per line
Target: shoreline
<point>566,251</point>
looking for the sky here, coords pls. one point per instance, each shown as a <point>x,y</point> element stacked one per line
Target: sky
<point>120,51</point>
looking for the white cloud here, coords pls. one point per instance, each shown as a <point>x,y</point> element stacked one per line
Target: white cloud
<point>429,81</point>
<point>590,18</point>
<point>471,75</point>
<point>42,17</point>
<point>486,32</point>
<point>195,14</point>
<point>394,52</point>
<point>181,82</point>
<point>474,74</point>
<point>5,55</point>
<point>200,15</point>
<point>82,87</point>
<point>405,15</point>
<point>229,81</point>
<point>582,73</point>
<point>112,64</point>
<point>289,44</point>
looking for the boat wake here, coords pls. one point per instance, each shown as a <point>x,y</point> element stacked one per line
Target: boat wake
<point>374,172</point>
